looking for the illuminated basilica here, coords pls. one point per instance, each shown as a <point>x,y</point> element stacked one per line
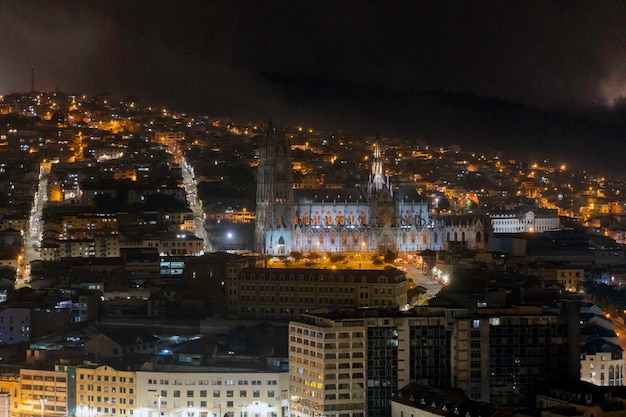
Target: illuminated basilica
<point>377,217</point>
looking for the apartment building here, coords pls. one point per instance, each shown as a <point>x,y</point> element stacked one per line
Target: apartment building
<point>351,363</point>
<point>183,243</point>
<point>98,390</point>
<point>327,368</point>
<point>81,225</point>
<point>15,325</point>
<point>286,293</point>
<point>571,279</point>
<point>214,393</point>
<point>43,393</point>
<point>10,384</point>
<point>104,390</point>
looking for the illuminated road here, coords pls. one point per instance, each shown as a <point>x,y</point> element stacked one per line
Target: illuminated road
<point>32,239</point>
<point>419,278</point>
<point>196,205</point>
<point>620,330</point>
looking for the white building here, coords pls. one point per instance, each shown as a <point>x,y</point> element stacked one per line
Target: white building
<point>533,221</point>
<point>602,363</point>
<point>215,393</point>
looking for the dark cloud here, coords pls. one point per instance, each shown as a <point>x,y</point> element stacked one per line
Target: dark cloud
<point>248,59</point>
<point>65,45</point>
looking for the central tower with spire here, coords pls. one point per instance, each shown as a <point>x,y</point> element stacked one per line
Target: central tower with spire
<point>378,179</point>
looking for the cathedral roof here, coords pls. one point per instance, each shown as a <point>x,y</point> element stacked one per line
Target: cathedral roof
<point>600,345</point>
<point>326,195</point>
<point>457,220</point>
<point>407,194</point>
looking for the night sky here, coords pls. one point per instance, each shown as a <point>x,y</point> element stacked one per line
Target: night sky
<point>461,72</point>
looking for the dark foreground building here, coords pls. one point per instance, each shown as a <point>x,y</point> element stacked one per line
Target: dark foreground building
<point>358,359</point>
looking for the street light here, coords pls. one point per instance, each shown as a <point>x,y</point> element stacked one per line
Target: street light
<point>43,401</point>
<point>82,408</point>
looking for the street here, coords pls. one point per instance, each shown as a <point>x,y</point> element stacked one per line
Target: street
<point>196,205</point>
<point>32,239</point>
<point>420,279</point>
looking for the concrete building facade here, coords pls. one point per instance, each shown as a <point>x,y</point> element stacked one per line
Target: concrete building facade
<point>532,221</point>
<point>216,393</point>
<point>285,294</point>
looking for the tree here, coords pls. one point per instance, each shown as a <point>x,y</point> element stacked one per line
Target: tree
<point>390,256</point>
<point>297,256</point>
<point>336,257</point>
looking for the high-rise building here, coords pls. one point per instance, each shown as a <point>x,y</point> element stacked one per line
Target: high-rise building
<point>351,363</point>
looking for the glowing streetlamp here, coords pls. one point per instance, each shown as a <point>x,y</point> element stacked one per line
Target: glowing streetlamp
<point>43,401</point>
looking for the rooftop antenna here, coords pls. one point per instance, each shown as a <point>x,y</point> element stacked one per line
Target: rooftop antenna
<point>32,79</point>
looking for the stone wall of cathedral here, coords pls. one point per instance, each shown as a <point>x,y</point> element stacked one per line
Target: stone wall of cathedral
<point>331,228</point>
<point>332,214</point>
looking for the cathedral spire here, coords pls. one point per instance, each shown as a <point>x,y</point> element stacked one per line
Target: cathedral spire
<point>378,177</point>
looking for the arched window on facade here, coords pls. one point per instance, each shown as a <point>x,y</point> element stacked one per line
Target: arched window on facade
<point>281,246</point>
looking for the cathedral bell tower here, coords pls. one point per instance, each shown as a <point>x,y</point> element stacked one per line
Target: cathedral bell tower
<point>383,205</point>
<point>274,195</point>
<point>377,179</point>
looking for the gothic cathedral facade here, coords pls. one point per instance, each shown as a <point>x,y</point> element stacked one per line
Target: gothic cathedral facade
<point>376,217</point>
